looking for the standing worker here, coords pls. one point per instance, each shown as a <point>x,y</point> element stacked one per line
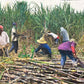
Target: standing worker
<point>14,38</point>
<point>4,41</point>
<point>64,34</point>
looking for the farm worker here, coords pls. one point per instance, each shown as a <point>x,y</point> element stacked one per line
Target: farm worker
<point>64,34</point>
<point>55,36</point>
<point>44,47</point>
<point>14,39</point>
<point>67,49</point>
<point>4,41</point>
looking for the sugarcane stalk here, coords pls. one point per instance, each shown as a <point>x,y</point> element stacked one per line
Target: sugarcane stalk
<point>80,62</point>
<point>14,80</point>
<point>57,71</point>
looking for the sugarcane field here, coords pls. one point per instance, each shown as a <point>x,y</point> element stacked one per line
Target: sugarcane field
<point>41,45</point>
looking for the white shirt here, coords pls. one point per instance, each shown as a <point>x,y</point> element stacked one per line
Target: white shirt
<point>4,38</point>
<point>53,35</point>
<point>12,34</point>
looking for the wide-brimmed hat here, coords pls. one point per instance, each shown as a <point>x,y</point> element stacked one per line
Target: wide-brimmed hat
<point>41,40</point>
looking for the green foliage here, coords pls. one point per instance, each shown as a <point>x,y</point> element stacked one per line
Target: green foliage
<point>19,55</point>
<point>36,37</point>
<point>21,7</point>
<point>53,19</point>
<point>32,51</point>
<point>1,74</point>
<point>23,53</point>
<point>9,62</point>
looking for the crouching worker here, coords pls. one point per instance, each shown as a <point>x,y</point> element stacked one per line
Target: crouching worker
<point>44,47</point>
<point>67,49</point>
<point>4,42</point>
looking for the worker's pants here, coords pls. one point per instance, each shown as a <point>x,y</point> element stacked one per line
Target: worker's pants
<point>64,54</point>
<point>56,41</point>
<point>14,46</point>
<point>5,52</point>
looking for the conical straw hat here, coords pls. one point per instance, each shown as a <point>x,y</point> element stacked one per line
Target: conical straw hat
<point>42,40</point>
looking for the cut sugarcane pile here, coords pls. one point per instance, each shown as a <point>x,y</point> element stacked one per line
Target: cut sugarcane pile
<point>41,72</point>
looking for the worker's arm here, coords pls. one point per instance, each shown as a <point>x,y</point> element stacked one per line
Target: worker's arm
<point>16,35</point>
<point>49,33</point>
<point>37,49</point>
<point>73,50</point>
<point>7,38</point>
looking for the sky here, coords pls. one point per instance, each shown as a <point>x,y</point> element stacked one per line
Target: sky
<point>78,5</point>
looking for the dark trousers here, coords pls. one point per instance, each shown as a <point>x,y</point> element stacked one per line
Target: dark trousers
<point>5,51</point>
<point>56,41</point>
<point>64,54</point>
<point>46,52</point>
<point>14,46</point>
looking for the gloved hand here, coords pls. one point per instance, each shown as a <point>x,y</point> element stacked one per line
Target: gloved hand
<point>74,54</point>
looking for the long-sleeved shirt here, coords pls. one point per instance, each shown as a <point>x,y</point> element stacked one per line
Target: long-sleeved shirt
<point>67,46</point>
<point>53,35</point>
<point>4,38</point>
<point>45,48</point>
<point>13,37</point>
<point>64,34</point>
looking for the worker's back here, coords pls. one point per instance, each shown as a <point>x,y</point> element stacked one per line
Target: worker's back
<point>64,34</point>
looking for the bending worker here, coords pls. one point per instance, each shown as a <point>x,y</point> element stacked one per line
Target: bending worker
<point>67,49</point>
<point>44,47</point>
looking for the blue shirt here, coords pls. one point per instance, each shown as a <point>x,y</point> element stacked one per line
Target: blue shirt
<point>45,48</point>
